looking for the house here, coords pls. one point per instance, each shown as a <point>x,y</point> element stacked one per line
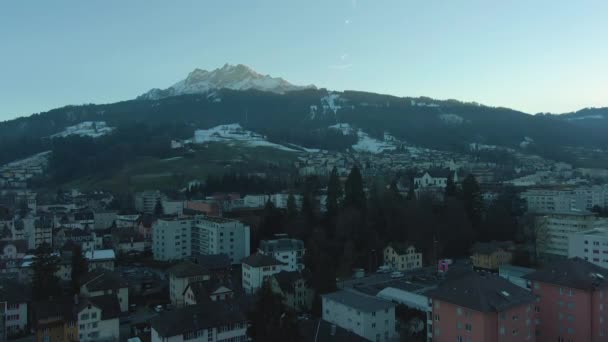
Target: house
<point>318,330</point>
<point>294,289</point>
<point>210,322</point>
<point>104,219</point>
<point>369,317</point>
<point>127,240</point>
<point>56,320</point>
<point>84,238</point>
<point>100,259</point>
<point>99,283</point>
<point>571,301</point>
<point>180,276</point>
<point>12,249</point>
<point>289,251</point>
<point>402,256</point>
<point>13,306</point>
<point>489,256</point>
<point>204,291</point>
<point>98,318</point>
<point>435,178</point>
<point>256,268</point>
<point>474,307</point>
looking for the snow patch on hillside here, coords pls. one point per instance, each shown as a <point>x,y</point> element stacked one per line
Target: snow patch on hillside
<point>37,160</point>
<point>365,143</point>
<point>93,129</point>
<point>234,134</point>
<point>527,141</point>
<point>594,117</point>
<point>451,119</point>
<point>330,102</point>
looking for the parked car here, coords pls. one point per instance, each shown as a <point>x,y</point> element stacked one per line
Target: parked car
<point>396,274</point>
<point>158,308</point>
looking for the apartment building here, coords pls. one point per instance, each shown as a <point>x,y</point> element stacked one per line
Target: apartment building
<point>171,238</point>
<point>216,235</point>
<point>369,317</point>
<point>544,201</point>
<point>572,301</point>
<point>182,275</point>
<point>554,230</point>
<point>289,251</point>
<point>146,201</point>
<point>474,307</point>
<point>256,268</point>
<point>590,245</point>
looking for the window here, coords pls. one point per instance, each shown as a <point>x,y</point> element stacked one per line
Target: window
<point>374,314</point>
<point>468,327</point>
<point>437,317</point>
<point>94,315</point>
<point>502,330</point>
<point>570,305</point>
<point>459,339</point>
<point>515,332</point>
<point>459,311</point>
<point>84,316</point>
<point>459,326</point>
<point>373,325</point>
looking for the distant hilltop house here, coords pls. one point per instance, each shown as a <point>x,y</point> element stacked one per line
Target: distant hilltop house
<point>434,178</point>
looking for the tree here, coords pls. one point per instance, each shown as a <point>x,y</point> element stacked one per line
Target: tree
<point>292,209</point>
<point>450,188</point>
<point>473,205</point>
<point>334,193</point>
<point>270,319</point>
<point>158,209</point>
<point>354,195</point>
<point>45,283</point>
<point>80,267</point>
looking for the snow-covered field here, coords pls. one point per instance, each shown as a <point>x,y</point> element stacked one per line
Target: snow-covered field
<point>366,143</point>
<point>93,129</point>
<point>235,134</point>
<point>37,160</point>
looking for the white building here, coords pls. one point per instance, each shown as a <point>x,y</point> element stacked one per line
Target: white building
<point>553,201</point>
<point>280,200</point>
<point>171,238</point>
<point>216,235</point>
<point>369,317</point>
<point>210,322</point>
<point>434,179</point>
<point>289,251</point>
<point>13,308</point>
<point>402,257</point>
<point>98,318</point>
<point>101,259</point>
<point>145,202</point>
<point>591,245</point>
<point>553,231</point>
<point>173,207</point>
<point>182,275</point>
<point>256,268</point>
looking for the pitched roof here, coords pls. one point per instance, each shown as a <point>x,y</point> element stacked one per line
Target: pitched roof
<point>213,261</point>
<point>575,273</point>
<point>187,269</point>
<point>110,308</point>
<point>359,301</point>
<point>197,317</point>
<point>484,293</point>
<point>287,280</point>
<point>400,247</point>
<point>278,245</point>
<point>260,260</point>
<point>318,330</point>
<point>99,281</point>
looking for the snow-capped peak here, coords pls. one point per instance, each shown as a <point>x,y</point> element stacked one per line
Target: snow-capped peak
<point>236,77</point>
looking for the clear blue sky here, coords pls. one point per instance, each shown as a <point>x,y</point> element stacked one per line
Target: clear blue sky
<point>529,55</point>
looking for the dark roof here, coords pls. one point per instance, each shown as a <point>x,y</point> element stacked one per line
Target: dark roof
<point>203,289</point>
<point>110,308</point>
<point>218,219</point>
<point>359,301</point>
<point>484,293</point>
<point>98,281</point>
<point>318,330</point>
<point>187,269</point>
<point>287,280</point>
<point>213,261</point>
<point>277,245</point>
<point>13,292</point>
<point>260,260</point>
<point>491,247</point>
<point>436,173</point>
<point>575,273</point>
<point>400,247</point>
<point>197,317</point>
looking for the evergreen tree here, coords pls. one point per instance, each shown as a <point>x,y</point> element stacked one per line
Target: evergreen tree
<point>473,205</point>
<point>270,320</point>
<point>354,195</point>
<point>292,209</point>
<point>450,188</point>
<point>158,209</point>
<point>334,193</point>
<point>45,283</point>
<point>80,267</point>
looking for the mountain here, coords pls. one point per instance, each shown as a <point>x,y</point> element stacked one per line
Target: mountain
<point>236,77</point>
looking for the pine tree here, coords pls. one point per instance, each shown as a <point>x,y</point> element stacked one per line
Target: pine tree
<point>354,195</point>
<point>473,205</point>
<point>80,267</point>
<point>450,188</point>
<point>45,283</point>
<point>292,209</point>
<point>270,319</point>
<point>334,193</point>
<point>158,209</point>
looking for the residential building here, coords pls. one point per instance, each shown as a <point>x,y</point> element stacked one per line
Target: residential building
<point>294,289</point>
<point>289,251</point>
<point>180,276</point>
<point>402,256</point>
<point>98,318</point>
<point>369,317</point>
<point>591,245</point>
<point>99,283</point>
<point>436,178</point>
<point>101,259</point>
<point>171,207</point>
<point>256,268</point>
<point>474,307</point>
<point>210,322</point>
<point>554,230</point>
<point>13,307</point>
<point>572,301</point>
<point>104,219</point>
<point>145,202</point>
<point>489,256</point>
<point>204,291</point>
<point>171,238</point>
<point>56,320</point>
<point>216,235</point>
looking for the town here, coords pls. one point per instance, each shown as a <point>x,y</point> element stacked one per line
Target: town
<point>395,246</point>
